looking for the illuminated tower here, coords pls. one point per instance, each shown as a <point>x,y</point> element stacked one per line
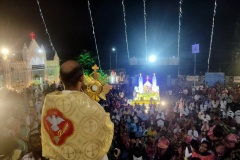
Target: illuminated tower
<point>140,83</point>
<point>154,83</point>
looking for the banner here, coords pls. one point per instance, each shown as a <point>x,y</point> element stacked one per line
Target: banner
<point>36,67</point>
<point>171,61</point>
<point>213,78</point>
<point>192,78</point>
<point>195,48</point>
<point>236,79</point>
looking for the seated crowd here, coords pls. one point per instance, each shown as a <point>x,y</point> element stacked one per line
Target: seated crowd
<point>203,125</point>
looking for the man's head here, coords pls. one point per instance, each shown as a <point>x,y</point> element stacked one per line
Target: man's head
<point>71,74</point>
<point>35,142</point>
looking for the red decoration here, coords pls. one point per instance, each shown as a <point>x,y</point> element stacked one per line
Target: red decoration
<point>32,35</point>
<point>58,127</point>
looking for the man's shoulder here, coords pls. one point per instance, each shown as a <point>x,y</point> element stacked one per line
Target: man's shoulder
<point>67,93</point>
<point>73,96</point>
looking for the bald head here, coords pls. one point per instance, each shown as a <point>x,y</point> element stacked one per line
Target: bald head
<point>69,66</point>
<point>71,73</point>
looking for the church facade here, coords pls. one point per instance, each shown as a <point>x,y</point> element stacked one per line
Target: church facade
<point>33,69</point>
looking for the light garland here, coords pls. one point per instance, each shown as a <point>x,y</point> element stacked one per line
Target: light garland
<point>145,27</point>
<point>210,48</point>
<point>179,29</point>
<point>125,24</point>
<point>90,13</point>
<point>46,27</point>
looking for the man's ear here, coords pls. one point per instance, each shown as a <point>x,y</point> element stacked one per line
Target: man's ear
<point>81,79</point>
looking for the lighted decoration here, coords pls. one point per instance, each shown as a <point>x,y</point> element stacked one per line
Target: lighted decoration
<point>95,86</point>
<point>49,38</point>
<point>146,93</point>
<point>113,78</point>
<point>125,25</point>
<point>210,49</point>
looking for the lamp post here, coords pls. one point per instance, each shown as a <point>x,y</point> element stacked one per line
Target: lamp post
<point>115,50</point>
<point>110,61</point>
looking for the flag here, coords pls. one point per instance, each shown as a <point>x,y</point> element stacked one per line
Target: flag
<point>195,48</point>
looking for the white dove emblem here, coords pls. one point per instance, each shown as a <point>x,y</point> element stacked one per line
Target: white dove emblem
<point>55,121</point>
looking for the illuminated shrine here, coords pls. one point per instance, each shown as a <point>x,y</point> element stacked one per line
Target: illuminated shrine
<point>113,78</point>
<point>147,93</point>
<point>33,69</point>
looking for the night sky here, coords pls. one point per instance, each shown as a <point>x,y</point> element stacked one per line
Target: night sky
<point>69,25</point>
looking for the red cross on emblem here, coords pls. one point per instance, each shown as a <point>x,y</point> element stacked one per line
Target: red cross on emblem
<point>32,35</point>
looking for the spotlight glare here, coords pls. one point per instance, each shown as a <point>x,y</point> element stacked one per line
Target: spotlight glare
<point>163,103</point>
<point>152,58</point>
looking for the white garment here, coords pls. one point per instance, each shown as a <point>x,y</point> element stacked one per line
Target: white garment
<point>196,97</point>
<point>176,108</point>
<point>193,134</point>
<point>105,157</point>
<point>151,111</point>
<point>185,91</point>
<point>139,158</point>
<point>187,154</point>
<point>39,105</point>
<point>160,122</point>
<point>208,104</point>
<point>169,92</point>
<point>237,116</point>
<point>135,119</point>
<point>215,104</point>
<point>223,104</point>
<point>185,111</point>
<point>191,106</point>
<point>229,99</point>
<point>205,117</point>
<point>203,108</point>
<point>177,130</point>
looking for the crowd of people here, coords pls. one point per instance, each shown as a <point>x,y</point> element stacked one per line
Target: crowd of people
<point>200,123</point>
<point>193,124</point>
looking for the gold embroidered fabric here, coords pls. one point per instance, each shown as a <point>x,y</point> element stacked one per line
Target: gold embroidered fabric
<point>74,127</point>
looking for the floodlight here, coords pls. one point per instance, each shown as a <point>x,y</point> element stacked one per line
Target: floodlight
<point>5,51</point>
<point>152,58</point>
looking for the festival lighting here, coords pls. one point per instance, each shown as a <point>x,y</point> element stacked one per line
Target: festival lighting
<point>94,35</point>
<point>145,25</point>
<point>210,48</point>
<point>5,51</point>
<point>39,51</point>
<point>125,24</point>
<point>179,27</point>
<point>152,58</point>
<point>49,38</point>
<point>163,103</point>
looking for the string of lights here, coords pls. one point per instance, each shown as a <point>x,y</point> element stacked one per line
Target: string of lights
<point>41,14</point>
<point>125,24</point>
<point>145,26</point>
<point>90,13</point>
<point>179,28</point>
<point>210,48</point>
